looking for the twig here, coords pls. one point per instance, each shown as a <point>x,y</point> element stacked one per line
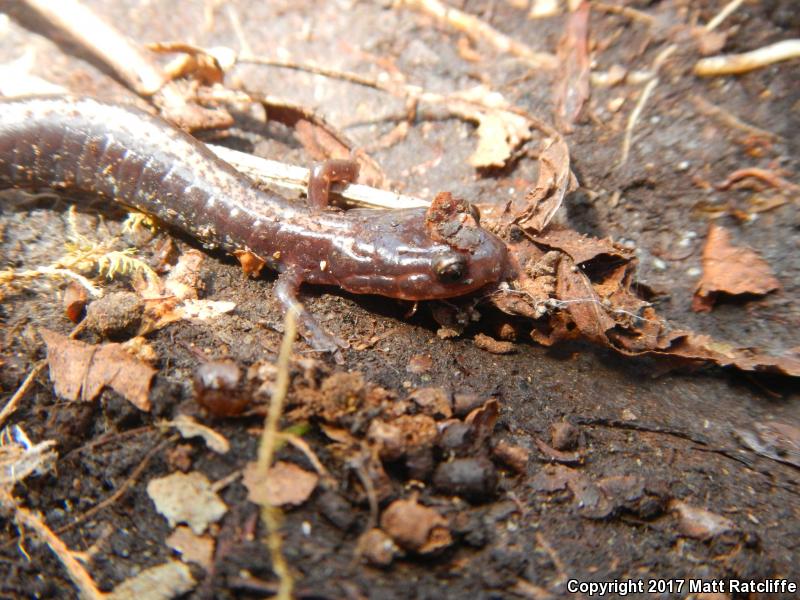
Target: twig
<point>707,108</point>
<point>103,42</point>
<point>639,108</point>
<point>315,70</point>
<point>734,64</point>
<point>296,178</point>
<point>266,452</point>
<point>14,401</point>
<point>632,120</point>
<point>726,11</point>
<point>480,30</point>
<point>625,11</point>
<point>80,577</point>
<point>126,485</point>
<point>303,446</point>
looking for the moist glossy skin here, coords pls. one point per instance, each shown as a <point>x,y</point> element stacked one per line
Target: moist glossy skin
<point>122,153</point>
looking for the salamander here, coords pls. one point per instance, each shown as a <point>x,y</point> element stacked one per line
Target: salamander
<point>122,153</point>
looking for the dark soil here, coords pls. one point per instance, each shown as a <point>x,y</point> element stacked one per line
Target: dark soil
<point>672,429</point>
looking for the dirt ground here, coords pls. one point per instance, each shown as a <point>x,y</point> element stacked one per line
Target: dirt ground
<point>651,438</point>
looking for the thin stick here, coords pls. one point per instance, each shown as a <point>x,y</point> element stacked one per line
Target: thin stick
<point>315,70</point>
<point>102,41</point>
<point>726,117</point>
<point>734,64</point>
<point>639,108</point>
<point>296,178</point>
<point>271,515</point>
<point>80,577</point>
<point>14,401</point>
<point>726,11</point>
<point>480,30</point>
<point>127,484</point>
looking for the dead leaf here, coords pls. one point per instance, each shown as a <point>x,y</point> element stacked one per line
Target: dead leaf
<point>500,129</point>
<point>185,279</point>
<point>162,582</point>
<point>580,247</point>
<point>284,484</point>
<point>186,498</point>
<point>81,371</point>
<point>198,549</point>
<point>575,290</point>
<point>415,527</point>
<point>571,89</point>
<point>730,270</point>
<point>698,523</point>
<point>189,428</point>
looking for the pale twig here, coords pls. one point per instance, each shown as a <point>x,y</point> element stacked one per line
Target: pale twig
<point>296,178</point>
<point>14,401</point>
<point>707,108</point>
<point>726,11</point>
<point>266,451</point>
<point>103,42</point>
<point>126,485</point>
<point>625,11</point>
<point>80,577</point>
<point>640,104</point>
<point>480,30</point>
<point>10,275</point>
<point>734,64</point>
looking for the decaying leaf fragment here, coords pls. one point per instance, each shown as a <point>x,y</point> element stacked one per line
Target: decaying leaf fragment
<point>284,484</point>
<point>731,270</point>
<point>187,498</point>
<point>699,523</point>
<point>415,527</point>
<point>80,371</point>
<point>162,582</point>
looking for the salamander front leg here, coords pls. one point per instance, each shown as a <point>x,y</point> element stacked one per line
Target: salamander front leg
<point>326,173</point>
<point>286,289</point>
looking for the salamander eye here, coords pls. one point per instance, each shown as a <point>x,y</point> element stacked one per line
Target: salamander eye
<point>450,269</point>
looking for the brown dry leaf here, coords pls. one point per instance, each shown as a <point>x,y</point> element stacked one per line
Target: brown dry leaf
<point>162,582</point>
<point>572,90</point>
<point>415,527</point>
<point>554,181</point>
<point>198,549</point>
<point>730,270</point>
<point>483,420</point>
<point>284,484</point>
<point>580,247</point>
<point>190,428</point>
<point>207,66</point>
<point>500,129</point>
<point>575,290</point>
<point>186,498</point>
<point>698,523</point>
<point>185,278</point>
<point>81,371</point>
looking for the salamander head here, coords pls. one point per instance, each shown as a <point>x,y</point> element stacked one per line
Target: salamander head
<point>421,255</point>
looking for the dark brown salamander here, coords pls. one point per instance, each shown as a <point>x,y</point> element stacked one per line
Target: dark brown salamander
<point>123,153</point>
